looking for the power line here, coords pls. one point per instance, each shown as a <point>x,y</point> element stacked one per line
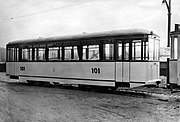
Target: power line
<point>40,12</point>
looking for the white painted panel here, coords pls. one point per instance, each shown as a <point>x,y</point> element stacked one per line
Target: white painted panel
<point>174,71</point>
<point>13,68</point>
<point>138,71</point>
<point>153,70</point>
<point>119,72</point>
<point>145,72</point>
<point>150,71</point>
<point>70,69</point>
<point>7,67</point>
<point>156,70</point>
<point>126,71</point>
<point>178,63</point>
<point>122,71</point>
<point>16,68</point>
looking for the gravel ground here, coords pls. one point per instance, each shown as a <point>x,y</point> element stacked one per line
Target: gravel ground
<point>20,102</point>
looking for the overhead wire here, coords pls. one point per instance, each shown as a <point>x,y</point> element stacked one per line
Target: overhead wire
<point>37,13</point>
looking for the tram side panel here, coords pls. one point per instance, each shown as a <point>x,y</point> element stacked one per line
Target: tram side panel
<point>173,72</point>
<point>145,72</point>
<point>122,72</point>
<point>178,72</point>
<point>7,68</point>
<point>138,73</point>
<point>12,68</point>
<point>153,72</point>
<point>89,73</point>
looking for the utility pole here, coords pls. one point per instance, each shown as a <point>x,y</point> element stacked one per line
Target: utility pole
<point>168,5</point>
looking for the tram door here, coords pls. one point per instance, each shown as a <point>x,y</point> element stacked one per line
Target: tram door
<point>123,65</point>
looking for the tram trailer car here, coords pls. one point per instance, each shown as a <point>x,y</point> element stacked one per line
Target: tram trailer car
<point>115,58</point>
<point>174,61</point>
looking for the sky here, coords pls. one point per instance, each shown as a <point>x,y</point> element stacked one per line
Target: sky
<point>27,19</point>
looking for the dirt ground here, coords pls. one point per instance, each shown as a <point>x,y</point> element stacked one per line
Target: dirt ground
<point>20,102</point>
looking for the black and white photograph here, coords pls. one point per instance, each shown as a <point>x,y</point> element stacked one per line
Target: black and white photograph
<point>89,61</point>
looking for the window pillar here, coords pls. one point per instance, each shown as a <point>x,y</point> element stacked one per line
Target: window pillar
<point>20,54</point>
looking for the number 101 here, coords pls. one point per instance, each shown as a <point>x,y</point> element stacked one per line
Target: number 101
<point>95,70</point>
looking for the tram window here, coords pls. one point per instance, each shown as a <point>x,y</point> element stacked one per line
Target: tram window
<point>39,54</point>
<point>151,49</point>
<point>11,54</point>
<point>136,50</point>
<point>24,54</point>
<point>27,54</point>
<point>16,51</point>
<point>126,51</point>
<point>14,58</point>
<point>145,47</point>
<point>71,53</point>
<point>36,54</point>
<point>54,52</point>
<point>119,51</point>
<point>94,52</point>
<point>67,53</point>
<point>75,53</point>
<point>17,54</point>
<point>174,48</point>
<point>109,51</point>
<point>85,52</point>
<point>30,54</point>
<point>156,50</point>
<point>91,52</point>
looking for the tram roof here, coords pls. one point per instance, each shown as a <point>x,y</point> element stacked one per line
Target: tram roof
<point>114,33</point>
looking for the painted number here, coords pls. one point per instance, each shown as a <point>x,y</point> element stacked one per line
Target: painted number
<point>22,68</point>
<point>95,70</point>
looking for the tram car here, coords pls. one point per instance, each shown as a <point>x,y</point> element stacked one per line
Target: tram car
<point>118,58</point>
<point>174,61</point>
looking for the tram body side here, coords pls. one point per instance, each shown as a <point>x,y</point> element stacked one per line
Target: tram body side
<point>89,73</point>
<point>112,74</point>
